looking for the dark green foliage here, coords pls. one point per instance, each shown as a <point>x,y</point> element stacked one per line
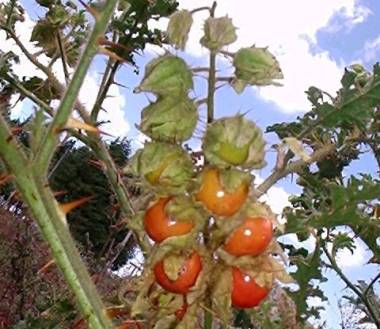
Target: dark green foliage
<point>328,200</point>
<point>78,174</point>
<point>132,26</point>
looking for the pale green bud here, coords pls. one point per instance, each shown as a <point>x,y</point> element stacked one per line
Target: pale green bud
<point>218,32</point>
<point>179,27</point>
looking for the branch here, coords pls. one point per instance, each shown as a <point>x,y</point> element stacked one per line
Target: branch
<point>361,296</point>
<point>64,110</point>
<point>293,167</point>
<point>26,93</point>
<point>104,88</point>
<point>52,223</point>
<point>373,281</point>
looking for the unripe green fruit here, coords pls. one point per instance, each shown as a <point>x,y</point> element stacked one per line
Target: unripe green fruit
<point>234,141</point>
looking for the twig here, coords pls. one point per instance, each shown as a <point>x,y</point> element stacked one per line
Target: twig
<point>200,9</point>
<point>361,296</point>
<point>292,167</point>
<point>25,92</point>
<point>373,281</point>
<point>63,57</point>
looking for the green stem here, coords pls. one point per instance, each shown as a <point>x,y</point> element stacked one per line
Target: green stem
<point>69,99</point>
<point>52,223</point>
<point>208,317</point>
<point>211,78</point>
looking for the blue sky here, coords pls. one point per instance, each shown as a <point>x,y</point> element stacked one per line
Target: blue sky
<point>314,40</point>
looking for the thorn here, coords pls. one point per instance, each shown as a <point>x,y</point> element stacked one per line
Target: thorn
<point>76,124</point>
<point>44,268</point>
<point>59,193</point>
<point>90,9</point>
<point>67,207</point>
<point>16,130</point>
<point>5,178</point>
<point>80,324</point>
<point>105,42</point>
<point>97,164</point>
<point>111,54</point>
<point>117,311</point>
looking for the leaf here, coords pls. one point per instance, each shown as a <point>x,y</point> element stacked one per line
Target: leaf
<point>297,148</point>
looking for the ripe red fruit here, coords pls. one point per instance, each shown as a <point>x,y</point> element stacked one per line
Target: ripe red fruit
<point>187,277</point>
<point>160,226</point>
<point>250,238</point>
<point>246,293</point>
<point>216,199</point>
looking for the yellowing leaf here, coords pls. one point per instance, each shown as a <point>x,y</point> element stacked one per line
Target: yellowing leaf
<point>297,148</point>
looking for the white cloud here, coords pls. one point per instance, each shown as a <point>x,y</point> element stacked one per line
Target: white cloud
<point>346,259</point>
<point>276,197</point>
<point>372,49</point>
<point>113,106</point>
<point>289,28</point>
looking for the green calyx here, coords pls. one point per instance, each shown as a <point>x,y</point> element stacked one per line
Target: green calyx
<point>166,168</point>
<point>255,66</point>
<point>170,119</point>
<point>179,27</point>
<point>231,179</point>
<point>218,32</point>
<point>234,141</point>
<point>167,75</point>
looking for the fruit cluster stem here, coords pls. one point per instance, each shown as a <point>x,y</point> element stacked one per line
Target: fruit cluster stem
<point>211,78</point>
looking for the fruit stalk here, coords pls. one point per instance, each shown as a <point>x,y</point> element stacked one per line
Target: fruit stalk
<point>208,319</point>
<point>211,78</point>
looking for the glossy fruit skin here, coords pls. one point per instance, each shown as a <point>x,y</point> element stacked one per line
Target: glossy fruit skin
<point>246,293</point>
<point>159,226</point>
<point>216,199</point>
<point>186,279</point>
<point>250,238</point>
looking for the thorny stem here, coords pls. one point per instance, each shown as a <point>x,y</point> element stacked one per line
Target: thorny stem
<point>101,149</point>
<point>104,91</point>
<point>361,296</point>
<point>49,143</point>
<point>52,223</point>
